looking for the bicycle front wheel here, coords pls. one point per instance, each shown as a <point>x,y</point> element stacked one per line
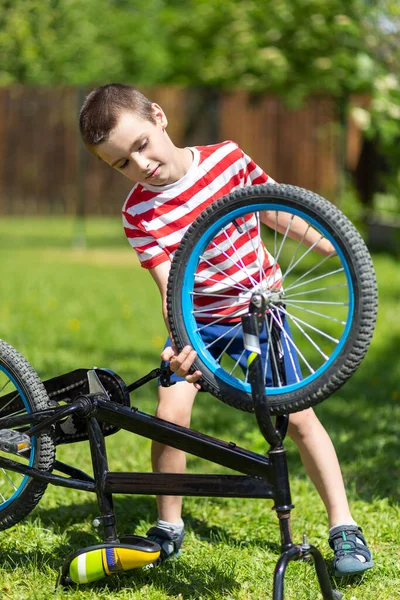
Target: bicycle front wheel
<point>22,392</point>
<point>323,303</point>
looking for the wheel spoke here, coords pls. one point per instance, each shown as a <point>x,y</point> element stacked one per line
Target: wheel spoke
<point>9,479</point>
<point>260,262</point>
<point>277,255</point>
<point>225,350</point>
<point>328,287</point>
<point>237,362</point>
<point>240,260</point>
<point>285,341</point>
<point>257,251</point>
<point>294,302</point>
<point>319,264</point>
<point>223,318</point>
<point>297,322</point>
<point>326,335</point>
<point>222,336</point>
<point>299,246</point>
<point>289,339</point>
<point>275,246</point>
<point>216,308</point>
<point>271,350</point>
<point>318,314</point>
<point>237,286</point>
<point>6,383</point>
<point>221,295</point>
<point>222,272</point>
<point>292,287</point>
<point>312,247</point>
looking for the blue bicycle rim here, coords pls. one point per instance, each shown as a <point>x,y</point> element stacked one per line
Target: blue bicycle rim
<point>25,478</point>
<point>190,323</point>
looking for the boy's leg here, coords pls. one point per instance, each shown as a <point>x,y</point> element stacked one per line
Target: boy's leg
<point>321,463</point>
<point>175,405</point>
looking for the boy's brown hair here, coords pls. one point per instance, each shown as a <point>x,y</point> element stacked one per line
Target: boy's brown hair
<point>102,107</point>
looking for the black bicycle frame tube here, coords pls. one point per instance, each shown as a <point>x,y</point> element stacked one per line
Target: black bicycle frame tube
<point>277,453</point>
<point>217,451</point>
<point>181,484</point>
<point>85,484</point>
<point>100,468</point>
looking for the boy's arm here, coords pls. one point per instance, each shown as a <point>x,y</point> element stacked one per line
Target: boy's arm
<point>160,275</point>
<point>179,363</point>
<point>299,230</point>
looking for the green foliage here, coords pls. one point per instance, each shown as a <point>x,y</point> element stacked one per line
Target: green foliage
<point>293,48</point>
<point>76,42</point>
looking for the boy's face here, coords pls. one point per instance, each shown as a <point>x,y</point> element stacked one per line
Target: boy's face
<point>141,150</point>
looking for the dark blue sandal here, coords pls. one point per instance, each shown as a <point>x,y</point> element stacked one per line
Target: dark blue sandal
<point>169,542</point>
<point>351,553</point>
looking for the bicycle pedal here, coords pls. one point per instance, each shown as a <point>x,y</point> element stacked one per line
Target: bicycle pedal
<point>14,441</point>
<point>95,562</point>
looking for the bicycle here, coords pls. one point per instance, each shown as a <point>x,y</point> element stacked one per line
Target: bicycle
<point>330,303</point>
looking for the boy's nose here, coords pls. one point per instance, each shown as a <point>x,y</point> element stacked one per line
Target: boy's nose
<point>142,163</point>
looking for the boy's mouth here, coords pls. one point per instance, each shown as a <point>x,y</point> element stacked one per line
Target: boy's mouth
<point>154,172</point>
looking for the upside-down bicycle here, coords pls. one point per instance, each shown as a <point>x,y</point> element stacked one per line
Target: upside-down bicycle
<point>330,304</point>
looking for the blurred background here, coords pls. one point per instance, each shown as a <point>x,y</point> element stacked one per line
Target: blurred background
<point>309,88</point>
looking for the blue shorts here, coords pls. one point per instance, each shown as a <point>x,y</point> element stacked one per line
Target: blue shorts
<point>235,350</point>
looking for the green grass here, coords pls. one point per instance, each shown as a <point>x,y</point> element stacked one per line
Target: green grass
<point>66,307</point>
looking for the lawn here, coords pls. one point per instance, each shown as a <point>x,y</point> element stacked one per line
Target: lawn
<point>65,305</point>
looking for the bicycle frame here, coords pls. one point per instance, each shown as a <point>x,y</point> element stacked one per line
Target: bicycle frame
<point>264,477</point>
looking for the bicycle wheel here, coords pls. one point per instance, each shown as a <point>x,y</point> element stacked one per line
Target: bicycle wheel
<point>323,305</point>
<point>21,392</point>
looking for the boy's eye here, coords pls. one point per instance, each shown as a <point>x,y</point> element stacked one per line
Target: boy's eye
<point>123,165</point>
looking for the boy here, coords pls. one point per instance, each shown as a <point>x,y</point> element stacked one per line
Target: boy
<point>172,186</point>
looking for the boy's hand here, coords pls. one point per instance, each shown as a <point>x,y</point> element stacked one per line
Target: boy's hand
<point>181,363</point>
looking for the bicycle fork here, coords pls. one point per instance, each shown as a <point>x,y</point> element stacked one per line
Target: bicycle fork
<point>274,434</point>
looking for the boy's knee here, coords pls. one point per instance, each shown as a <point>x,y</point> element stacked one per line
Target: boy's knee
<point>173,414</point>
<point>301,422</point>
<point>175,403</point>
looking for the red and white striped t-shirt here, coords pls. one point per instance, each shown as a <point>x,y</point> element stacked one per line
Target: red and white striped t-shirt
<point>156,218</point>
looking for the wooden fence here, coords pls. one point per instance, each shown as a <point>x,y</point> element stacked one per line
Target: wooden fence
<point>44,167</point>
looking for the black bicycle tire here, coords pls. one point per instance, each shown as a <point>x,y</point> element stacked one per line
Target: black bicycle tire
<point>363,277</point>
<point>36,396</point>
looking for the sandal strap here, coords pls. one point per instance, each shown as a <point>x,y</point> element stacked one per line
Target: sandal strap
<point>160,533</point>
<point>168,541</point>
<point>343,541</point>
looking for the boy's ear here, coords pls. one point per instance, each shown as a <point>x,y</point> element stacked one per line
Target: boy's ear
<point>159,115</point>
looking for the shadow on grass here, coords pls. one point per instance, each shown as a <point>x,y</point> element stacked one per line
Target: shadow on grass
<point>131,512</point>
<point>175,577</point>
<point>187,577</point>
<point>363,421</point>
<point>180,579</point>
